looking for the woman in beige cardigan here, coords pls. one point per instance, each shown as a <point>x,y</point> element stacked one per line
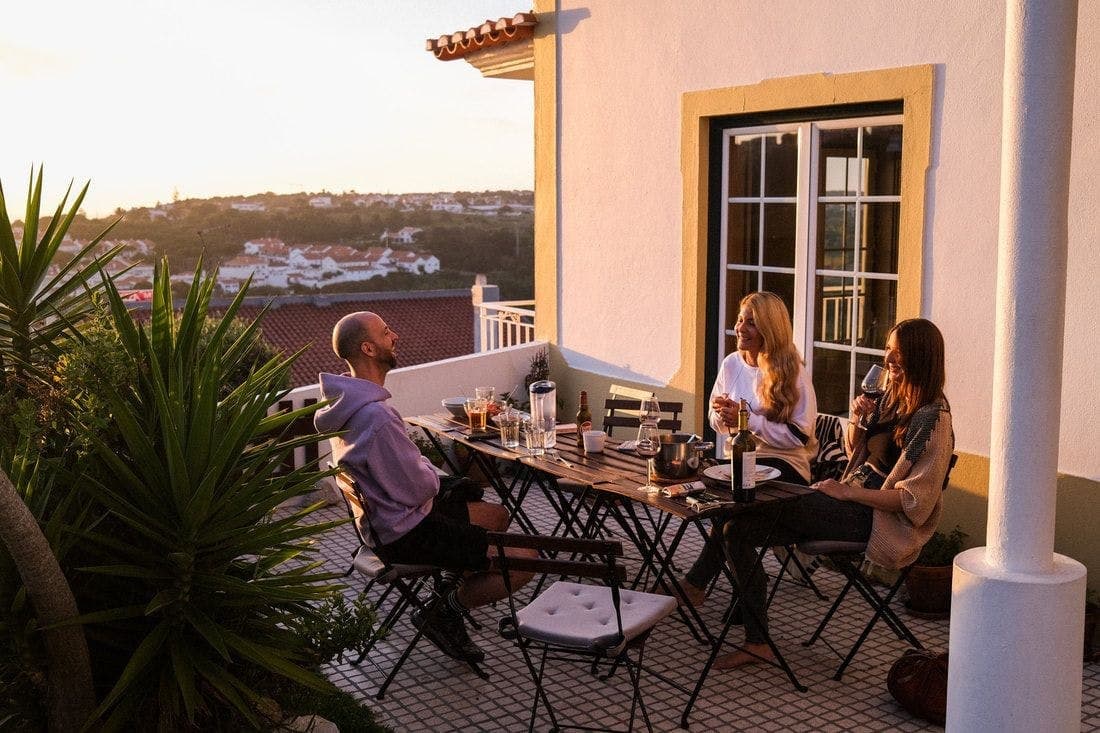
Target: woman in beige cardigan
<point>900,448</point>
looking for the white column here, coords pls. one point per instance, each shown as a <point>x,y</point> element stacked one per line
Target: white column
<point>1017,607</point>
<point>480,293</point>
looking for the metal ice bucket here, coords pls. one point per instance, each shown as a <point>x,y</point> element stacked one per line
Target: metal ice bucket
<point>679,456</point>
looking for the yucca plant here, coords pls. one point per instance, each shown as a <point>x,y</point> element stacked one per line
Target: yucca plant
<point>198,582</point>
<point>42,299</point>
<point>41,302</point>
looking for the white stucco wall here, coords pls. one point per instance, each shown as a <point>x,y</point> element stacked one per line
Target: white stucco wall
<point>623,74</point>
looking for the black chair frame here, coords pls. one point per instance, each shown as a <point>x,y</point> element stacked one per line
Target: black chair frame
<point>410,582</point>
<point>848,564</point>
<point>604,566</point>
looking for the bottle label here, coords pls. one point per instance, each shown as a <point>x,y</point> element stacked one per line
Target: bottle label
<point>584,426</point>
<point>748,469</point>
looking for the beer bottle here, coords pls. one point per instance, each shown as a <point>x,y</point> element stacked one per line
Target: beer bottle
<point>584,419</point>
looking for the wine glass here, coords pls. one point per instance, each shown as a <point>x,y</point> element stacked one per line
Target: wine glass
<point>649,445</point>
<point>874,384</point>
<point>650,410</point>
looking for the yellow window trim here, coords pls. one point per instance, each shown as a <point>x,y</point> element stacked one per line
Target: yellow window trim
<point>913,85</point>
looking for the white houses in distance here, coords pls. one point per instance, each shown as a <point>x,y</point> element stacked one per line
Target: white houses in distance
<point>272,262</point>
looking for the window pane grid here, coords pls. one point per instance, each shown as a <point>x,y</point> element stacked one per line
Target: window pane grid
<point>854,295</point>
<point>833,199</point>
<point>892,276</point>
<point>768,268</point>
<point>758,220</point>
<point>839,264</point>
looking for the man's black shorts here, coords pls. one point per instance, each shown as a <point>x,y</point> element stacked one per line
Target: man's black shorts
<point>445,538</point>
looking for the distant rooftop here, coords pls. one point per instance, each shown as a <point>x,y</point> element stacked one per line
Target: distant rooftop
<point>430,324</point>
<point>498,48</point>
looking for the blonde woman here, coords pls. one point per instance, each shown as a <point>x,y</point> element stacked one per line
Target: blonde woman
<point>766,371</point>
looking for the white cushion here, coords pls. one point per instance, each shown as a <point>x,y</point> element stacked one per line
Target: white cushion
<point>583,616</point>
<point>369,565</point>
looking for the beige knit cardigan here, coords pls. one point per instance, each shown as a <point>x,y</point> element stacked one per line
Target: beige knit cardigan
<point>897,537</point>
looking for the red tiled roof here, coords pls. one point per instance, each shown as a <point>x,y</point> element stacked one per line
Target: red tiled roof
<point>340,253</point>
<point>430,325</point>
<point>244,261</point>
<point>487,35</point>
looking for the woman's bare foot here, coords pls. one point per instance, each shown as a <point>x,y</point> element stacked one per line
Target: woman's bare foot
<point>692,593</point>
<point>748,655</point>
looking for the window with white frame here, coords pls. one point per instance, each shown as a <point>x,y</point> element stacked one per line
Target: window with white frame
<point>811,211</point>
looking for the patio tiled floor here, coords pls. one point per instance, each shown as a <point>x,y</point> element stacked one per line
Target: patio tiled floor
<point>434,693</point>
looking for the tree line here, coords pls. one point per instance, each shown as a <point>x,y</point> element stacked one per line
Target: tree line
<point>501,247</point>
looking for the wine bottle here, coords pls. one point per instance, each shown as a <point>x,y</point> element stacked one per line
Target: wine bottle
<point>584,419</point>
<point>743,458</point>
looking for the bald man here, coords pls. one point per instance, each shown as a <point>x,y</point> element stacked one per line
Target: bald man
<point>407,522</point>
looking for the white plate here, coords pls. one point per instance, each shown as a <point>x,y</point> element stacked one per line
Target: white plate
<point>721,472</point>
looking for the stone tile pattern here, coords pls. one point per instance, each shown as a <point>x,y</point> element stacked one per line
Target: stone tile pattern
<point>434,693</point>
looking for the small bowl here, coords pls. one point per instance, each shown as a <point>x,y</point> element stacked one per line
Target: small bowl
<point>456,406</point>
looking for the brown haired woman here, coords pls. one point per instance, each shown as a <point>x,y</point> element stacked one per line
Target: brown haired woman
<point>890,496</point>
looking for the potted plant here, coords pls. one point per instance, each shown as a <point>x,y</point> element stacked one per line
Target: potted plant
<point>929,582</point>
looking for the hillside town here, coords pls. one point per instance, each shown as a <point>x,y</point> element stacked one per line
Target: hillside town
<point>512,203</point>
<point>312,243</point>
<point>268,261</point>
<point>271,262</point>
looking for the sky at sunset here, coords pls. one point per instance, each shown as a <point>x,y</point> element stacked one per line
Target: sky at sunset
<point>233,97</point>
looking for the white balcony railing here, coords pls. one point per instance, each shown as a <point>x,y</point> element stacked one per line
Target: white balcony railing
<point>505,323</point>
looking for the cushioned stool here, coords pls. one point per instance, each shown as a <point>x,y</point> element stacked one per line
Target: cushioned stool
<point>583,616</point>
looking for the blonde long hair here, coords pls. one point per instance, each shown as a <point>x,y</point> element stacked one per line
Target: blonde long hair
<point>779,360</point>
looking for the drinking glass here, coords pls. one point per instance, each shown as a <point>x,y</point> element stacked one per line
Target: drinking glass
<point>485,393</point>
<point>475,411</point>
<point>535,436</point>
<point>649,445</point>
<point>650,410</point>
<point>508,422</point>
<point>874,384</point>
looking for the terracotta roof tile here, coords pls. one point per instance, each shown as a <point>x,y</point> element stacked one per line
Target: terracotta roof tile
<point>431,325</point>
<point>487,35</point>
<point>244,261</point>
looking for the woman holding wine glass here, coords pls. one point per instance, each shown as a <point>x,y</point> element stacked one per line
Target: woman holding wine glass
<point>890,497</point>
<point>766,371</point>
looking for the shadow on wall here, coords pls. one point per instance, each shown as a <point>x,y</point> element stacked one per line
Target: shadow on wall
<point>1078,513</point>
<point>573,372</point>
<point>564,21</point>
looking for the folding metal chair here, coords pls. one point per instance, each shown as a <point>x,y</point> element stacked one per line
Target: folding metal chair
<point>847,558</point>
<point>408,580</point>
<point>598,625</point>
<point>621,409</point>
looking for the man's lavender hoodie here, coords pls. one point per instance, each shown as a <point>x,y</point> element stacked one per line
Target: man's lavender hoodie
<point>397,481</point>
